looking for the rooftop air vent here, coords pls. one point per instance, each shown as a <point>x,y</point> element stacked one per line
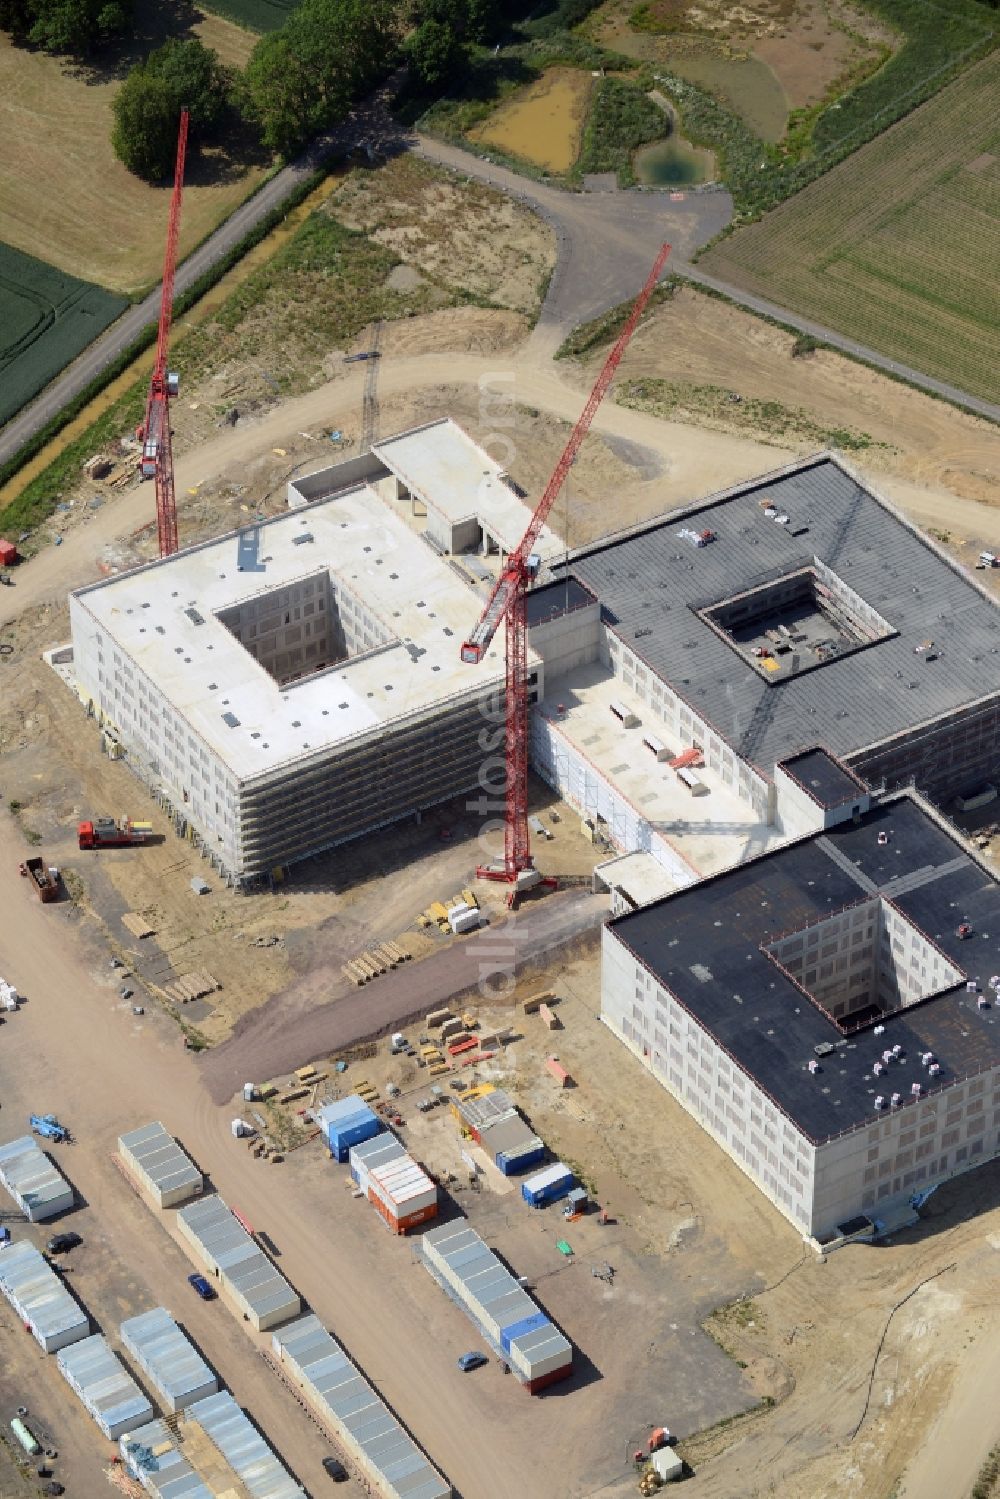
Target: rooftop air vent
<point>824,1049</point>
<point>305,536</point>
<point>231,720</point>
<point>194,616</point>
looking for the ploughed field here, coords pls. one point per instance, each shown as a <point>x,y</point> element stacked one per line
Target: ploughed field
<point>894,246</point>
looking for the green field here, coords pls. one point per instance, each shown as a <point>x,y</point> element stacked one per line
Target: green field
<point>897,247</point>
<point>256,15</point>
<point>46,319</point>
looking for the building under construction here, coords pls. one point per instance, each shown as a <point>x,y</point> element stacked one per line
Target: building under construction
<point>298,683</point>
<point>828,1012</point>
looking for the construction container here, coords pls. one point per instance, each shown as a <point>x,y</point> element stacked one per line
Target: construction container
<point>345,1123</point>
<point>171,1363</point>
<point>468,921</point>
<point>504,1313</point>
<point>374,1152</point>
<point>211,1448</point>
<point>226,1250</point>
<point>550,1185</point>
<point>39,1298</point>
<point>402,1193</point>
<point>8,553</point>
<point>39,1190</point>
<point>577,1200</point>
<point>157,1163</point>
<point>512,1145</point>
<point>390,1462</point>
<point>105,1386</point>
<point>667,1464</point>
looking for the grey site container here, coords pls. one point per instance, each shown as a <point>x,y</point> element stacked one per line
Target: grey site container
<point>39,1297</point>
<point>160,1166</point>
<point>104,1385</point>
<point>35,1184</point>
<point>171,1363</point>
<point>168,1460</point>
<point>226,1250</point>
<point>379,1446</point>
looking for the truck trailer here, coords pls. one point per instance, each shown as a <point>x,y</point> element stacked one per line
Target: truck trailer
<point>105,832</point>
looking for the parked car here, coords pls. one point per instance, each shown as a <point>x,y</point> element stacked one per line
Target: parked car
<point>336,1470</point>
<point>202,1286</point>
<point>63,1243</point>
<point>470,1361</point>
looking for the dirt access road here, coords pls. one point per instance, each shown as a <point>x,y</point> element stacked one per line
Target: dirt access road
<point>107,1071</point>
<point>299,1025</point>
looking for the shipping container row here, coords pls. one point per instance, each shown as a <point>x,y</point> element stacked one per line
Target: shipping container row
<point>397,1187</point>
<point>505,1314</point>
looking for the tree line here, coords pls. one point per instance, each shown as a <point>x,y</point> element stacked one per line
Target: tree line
<point>299,80</point>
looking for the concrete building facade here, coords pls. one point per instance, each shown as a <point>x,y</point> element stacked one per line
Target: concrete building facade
<point>825,1012</point>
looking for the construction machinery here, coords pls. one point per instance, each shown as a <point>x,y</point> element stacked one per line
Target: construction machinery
<point>105,832</point>
<point>508,601</point>
<point>48,1126</point>
<point>157,460</point>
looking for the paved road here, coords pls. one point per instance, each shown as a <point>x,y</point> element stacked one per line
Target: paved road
<point>116,339</point>
<point>847,345</point>
<point>297,1025</point>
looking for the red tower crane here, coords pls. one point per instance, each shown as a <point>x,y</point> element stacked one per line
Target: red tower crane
<point>157,460</point>
<point>509,601</point>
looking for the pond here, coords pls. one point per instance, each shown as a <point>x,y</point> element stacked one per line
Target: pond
<point>544,123</point>
<point>746,84</point>
<point>673,163</point>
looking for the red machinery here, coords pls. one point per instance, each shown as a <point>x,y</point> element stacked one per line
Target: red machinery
<point>106,832</point>
<point>509,601</point>
<point>157,460</point>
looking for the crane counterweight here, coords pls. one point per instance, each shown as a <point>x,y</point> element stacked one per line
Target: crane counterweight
<point>508,602</point>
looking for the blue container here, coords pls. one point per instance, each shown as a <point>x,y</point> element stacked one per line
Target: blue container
<point>347,1123</point>
<point>548,1186</point>
<point>510,1162</point>
<point>518,1329</point>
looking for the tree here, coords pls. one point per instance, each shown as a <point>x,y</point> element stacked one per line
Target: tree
<point>147,107</point>
<point>434,53</point>
<point>197,80</point>
<point>302,79</point>
<point>73,26</point>
<point>144,134</point>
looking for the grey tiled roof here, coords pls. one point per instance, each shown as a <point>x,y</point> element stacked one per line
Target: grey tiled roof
<point>651,583</point>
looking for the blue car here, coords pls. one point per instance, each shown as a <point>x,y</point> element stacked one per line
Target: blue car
<point>470,1361</point>
<point>202,1286</point>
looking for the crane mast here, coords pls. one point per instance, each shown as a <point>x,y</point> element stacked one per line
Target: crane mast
<point>508,602</point>
<point>157,460</point>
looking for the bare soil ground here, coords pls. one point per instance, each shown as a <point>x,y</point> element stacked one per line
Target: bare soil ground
<point>462,233</point>
<point>810,45</point>
<point>95,219</point>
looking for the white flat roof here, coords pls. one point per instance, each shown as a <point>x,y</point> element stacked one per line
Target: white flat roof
<point>710,832</point>
<point>204,671</point>
<point>640,875</point>
<point>443,467</point>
